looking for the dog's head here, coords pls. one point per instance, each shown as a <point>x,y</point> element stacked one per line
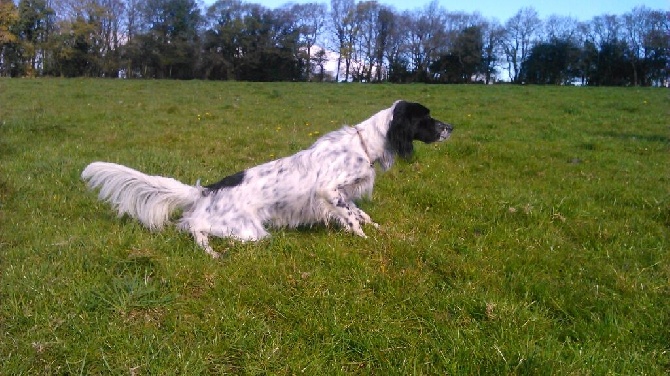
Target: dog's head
<point>412,121</point>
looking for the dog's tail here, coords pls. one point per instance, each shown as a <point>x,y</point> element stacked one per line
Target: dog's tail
<point>149,199</point>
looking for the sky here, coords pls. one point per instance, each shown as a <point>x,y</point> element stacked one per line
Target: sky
<point>502,10</point>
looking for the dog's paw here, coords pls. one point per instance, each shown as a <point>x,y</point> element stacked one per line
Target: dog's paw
<point>215,255</point>
<point>359,232</point>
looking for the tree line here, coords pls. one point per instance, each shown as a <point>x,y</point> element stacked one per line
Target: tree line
<point>370,42</point>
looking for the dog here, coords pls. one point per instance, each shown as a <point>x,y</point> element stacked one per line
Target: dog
<point>316,185</point>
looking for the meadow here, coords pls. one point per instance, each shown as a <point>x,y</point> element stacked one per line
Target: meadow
<point>534,242</point>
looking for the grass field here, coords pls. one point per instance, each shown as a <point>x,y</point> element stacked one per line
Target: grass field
<point>535,241</point>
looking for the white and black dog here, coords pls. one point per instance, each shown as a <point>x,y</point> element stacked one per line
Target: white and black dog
<point>316,185</point>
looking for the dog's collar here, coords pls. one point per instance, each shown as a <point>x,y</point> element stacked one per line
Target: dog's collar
<point>365,146</point>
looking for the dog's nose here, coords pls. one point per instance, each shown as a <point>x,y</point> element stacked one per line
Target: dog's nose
<point>446,126</point>
<point>445,130</point>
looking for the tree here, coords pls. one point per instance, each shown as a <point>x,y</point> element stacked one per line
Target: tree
<point>386,21</point>
<point>75,49</point>
<point>9,17</point>
<point>614,66</point>
<point>310,20</point>
<point>167,46</point>
<point>608,53</point>
<point>521,30</point>
<point>396,48</point>
<point>246,41</point>
<point>365,48</point>
<point>282,46</point>
<point>427,39</point>
<point>88,39</point>
<point>493,34</point>
<point>468,48</point>
<point>223,38</point>
<point>111,25</point>
<point>657,48</point>
<point>646,34</point>
<point>634,25</point>
<point>320,59</point>
<point>131,18</point>
<point>464,59</point>
<point>343,27</point>
<point>605,29</point>
<point>554,62</point>
<point>34,27</point>
<point>561,28</point>
<point>250,42</point>
<point>555,59</point>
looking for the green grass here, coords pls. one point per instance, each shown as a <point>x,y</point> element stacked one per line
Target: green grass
<point>535,241</point>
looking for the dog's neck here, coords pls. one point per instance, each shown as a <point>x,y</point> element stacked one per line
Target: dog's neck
<point>372,134</point>
<point>365,146</point>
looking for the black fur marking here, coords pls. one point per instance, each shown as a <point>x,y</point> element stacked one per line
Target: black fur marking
<point>411,121</point>
<point>279,206</point>
<point>427,130</point>
<point>402,128</point>
<point>228,181</point>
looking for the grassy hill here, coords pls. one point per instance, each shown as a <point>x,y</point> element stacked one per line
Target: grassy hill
<point>535,241</point>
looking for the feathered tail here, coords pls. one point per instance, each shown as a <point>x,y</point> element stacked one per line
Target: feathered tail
<point>149,199</point>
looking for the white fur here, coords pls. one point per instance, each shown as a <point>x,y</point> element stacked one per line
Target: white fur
<point>150,199</point>
<point>316,185</point>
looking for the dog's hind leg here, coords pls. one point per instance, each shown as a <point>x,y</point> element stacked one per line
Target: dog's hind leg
<point>202,240</point>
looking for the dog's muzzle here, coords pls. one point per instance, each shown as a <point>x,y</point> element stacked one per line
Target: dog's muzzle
<point>445,131</point>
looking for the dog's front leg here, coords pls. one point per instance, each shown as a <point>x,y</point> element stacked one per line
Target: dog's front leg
<point>363,217</point>
<point>344,211</point>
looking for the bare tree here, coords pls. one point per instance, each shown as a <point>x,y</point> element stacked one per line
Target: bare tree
<point>635,25</point>
<point>521,29</point>
<point>310,20</point>
<point>131,19</point>
<point>320,60</point>
<point>427,39</point>
<point>493,36</point>
<point>365,45</point>
<point>561,27</point>
<point>342,13</point>
<point>605,29</point>
<point>396,47</point>
<point>386,23</point>
<point>656,51</point>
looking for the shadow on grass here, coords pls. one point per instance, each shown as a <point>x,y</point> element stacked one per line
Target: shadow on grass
<point>635,137</point>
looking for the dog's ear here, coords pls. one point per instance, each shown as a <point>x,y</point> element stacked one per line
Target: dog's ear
<point>403,127</point>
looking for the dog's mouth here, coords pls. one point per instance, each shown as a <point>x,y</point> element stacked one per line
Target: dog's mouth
<point>445,131</point>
